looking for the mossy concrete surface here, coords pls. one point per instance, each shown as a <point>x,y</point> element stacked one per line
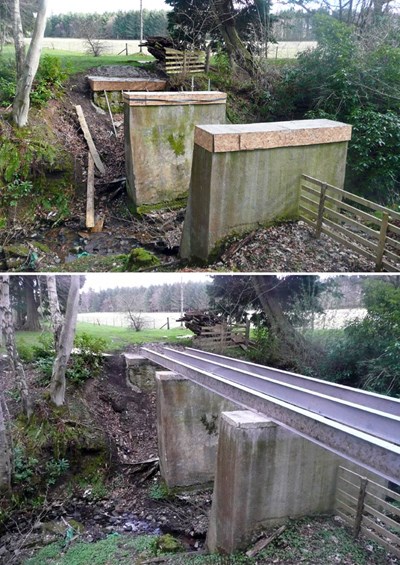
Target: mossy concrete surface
<point>240,190</point>
<point>159,147</point>
<point>187,443</point>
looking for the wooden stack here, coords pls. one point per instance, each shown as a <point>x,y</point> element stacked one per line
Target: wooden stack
<point>175,60</point>
<point>197,320</point>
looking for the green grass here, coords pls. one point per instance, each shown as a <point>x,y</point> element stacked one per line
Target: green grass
<point>80,62</point>
<point>116,338</point>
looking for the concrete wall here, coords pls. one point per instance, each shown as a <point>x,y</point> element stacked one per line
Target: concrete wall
<point>247,175</point>
<point>159,138</point>
<point>265,474</point>
<point>186,448</point>
<point>140,373</point>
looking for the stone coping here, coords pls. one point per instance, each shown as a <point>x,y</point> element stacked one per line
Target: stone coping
<point>98,83</point>
<point>226,138</point>
<point>174,98</point>
<point>247,419</point>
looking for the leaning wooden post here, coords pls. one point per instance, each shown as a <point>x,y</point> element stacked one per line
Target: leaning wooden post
<point>321,208</point>
<point>360,506</point>
<point>90,193</point>
<point>382,241</point>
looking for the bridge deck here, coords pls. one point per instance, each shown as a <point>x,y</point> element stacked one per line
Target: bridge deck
<point>359,426</point>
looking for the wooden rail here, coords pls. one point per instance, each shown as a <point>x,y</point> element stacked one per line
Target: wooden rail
<point>369,508</point>
<point>373,236</point>
<point>184,61</point>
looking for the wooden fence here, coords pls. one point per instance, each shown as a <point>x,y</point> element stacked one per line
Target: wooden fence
<point>184,61</point>
<point>369,227</point>
<point>222,336</point>
<point>369,508</point>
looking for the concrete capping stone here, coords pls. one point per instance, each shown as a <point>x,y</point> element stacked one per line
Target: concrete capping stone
<point>247,419</point>
<point>169,376</point>
<point>227,138</point>
<point>173,98</point>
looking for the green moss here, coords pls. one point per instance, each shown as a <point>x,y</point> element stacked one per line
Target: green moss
<point>168,544</point>
<point>139,258</point>
<point>177,143</point>
<point>175,204</point>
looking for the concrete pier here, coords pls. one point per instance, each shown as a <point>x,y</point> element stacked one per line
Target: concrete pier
<point>140,372</point>
<point>265,474</point>
<point>159,138</point>
<point>187,423</point>
<point>247,175</point>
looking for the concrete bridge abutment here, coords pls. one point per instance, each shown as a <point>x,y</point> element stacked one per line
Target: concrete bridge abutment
<point>187,424</point>
<point>244,176</point>
<point>159,139</point>
<point>265,475</point>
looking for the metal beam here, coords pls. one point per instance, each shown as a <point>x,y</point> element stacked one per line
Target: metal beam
<point>364,398</point>
<point>377,455</point>
<point>380,424</point>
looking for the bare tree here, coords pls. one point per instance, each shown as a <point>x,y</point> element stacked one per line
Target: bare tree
<point>55,312</point>
<point>18,34</point>
<point>26,75</point>
<point>5,449</point>
<point>17,369</point>
<point>63,351</point>
<point>136,320</point>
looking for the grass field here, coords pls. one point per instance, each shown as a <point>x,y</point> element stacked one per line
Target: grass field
<point>116,339</point>
<point>76,62</point>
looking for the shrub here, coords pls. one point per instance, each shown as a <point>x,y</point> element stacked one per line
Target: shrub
<point>88,361</point>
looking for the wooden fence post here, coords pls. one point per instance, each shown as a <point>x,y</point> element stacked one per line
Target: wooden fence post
<point>321,208</point>
<point>381,242</point>
<point>360,506</point>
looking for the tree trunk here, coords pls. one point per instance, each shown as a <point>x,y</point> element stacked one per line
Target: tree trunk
<point>32,322</point>
<point>17,369</point>
<point>63,352</point>
<point>18,34</point>
<point>55,313</point>
<point>237,51</point>
<point>31,64</point>
<point>292,347</point>
<point>5,450</point>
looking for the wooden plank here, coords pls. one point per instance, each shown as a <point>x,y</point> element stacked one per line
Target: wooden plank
<point>350,511</point>
<point>348,496</point>
<point>354,197</point>
<point>308,211</point>
<point>394,229</point>
<point>346,243</point>
<point>90,193</point>
<point>390,268</point>
<point>348,483</point>
<point>352,222</point>
<point>383,518</point>
<point>383,531</point>
<point>394,256</point>
<point>89,139</point>
<point>344,517</point>
<point>383,504</point>
<point>361,240</point>
<point>385,490</point>
<point>392,242</point>
<point>389,547</point>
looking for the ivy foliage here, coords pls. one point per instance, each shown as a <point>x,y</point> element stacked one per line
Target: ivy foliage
<point>355,79</point>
